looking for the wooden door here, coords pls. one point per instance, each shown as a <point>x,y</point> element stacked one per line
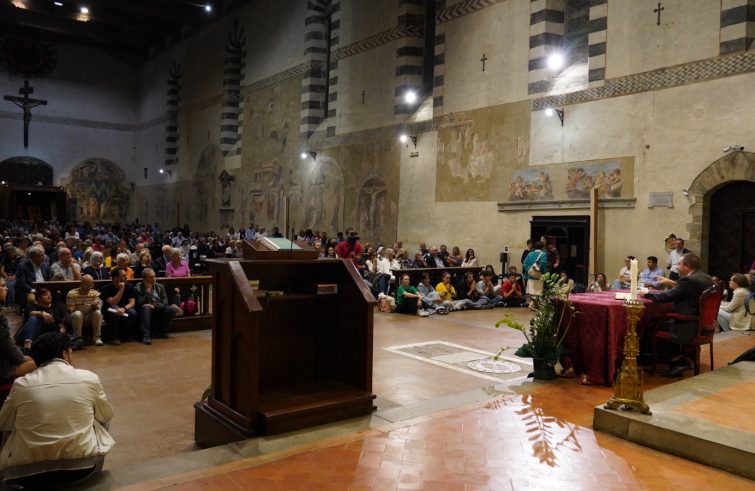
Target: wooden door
<point>732,229</point>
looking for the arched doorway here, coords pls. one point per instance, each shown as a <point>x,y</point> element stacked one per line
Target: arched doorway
<point>27,191</point>
<point>731,246</point>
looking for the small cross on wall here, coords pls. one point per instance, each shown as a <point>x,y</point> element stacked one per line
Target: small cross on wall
<point>483,60</point>
<point>658,11</point>
<point>363,94</point>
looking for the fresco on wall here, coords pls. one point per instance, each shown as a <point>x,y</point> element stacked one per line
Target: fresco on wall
<point>204,185</point>
<point>371,208</point>
<point>573,181</point>
<point>477,150</point>
<point>97,190</point>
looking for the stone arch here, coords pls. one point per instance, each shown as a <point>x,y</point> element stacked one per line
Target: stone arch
<point>737,166</point>
<point>29,171</point>
<point>97,190</point>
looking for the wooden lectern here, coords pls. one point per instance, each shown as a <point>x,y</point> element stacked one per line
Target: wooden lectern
<point>294,353</point>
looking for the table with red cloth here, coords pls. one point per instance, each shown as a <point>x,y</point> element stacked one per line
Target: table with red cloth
<point>595,339</point>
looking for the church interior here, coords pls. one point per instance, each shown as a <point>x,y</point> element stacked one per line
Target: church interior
<point>607,129</point>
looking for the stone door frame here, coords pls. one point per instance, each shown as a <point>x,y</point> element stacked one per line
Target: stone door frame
<point>737,166</point>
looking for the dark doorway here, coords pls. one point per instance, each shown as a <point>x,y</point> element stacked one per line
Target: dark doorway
<point>732,228</point>
<point>27,193</point>
<point>571,236</point>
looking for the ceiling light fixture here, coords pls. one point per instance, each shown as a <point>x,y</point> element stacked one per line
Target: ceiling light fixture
<point>304,155</point>
<point>208,8</point>
<point>404,138</point>
<point>167,171</point>
<point>555,61</point>
<point>551,111</point>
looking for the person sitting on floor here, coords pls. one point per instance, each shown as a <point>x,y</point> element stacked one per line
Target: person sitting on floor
<point>154,312</point>
<point>431,299</point>
<point>468,291</point>
<point>408,299</point>
<point>686,297</point>
<point>57,417</point>
<point>487,290</point>
<point>41,316</point>
<point>84,307</point>
<point>734,315</point>
<point>511,290</point>
<point>12,362</point>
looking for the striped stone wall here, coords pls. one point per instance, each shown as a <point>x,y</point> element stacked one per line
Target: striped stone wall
<point>737,26</point>
<point>335,25</point>
<point>409,55</point>
<point>597,41</point>
<point>233,73</point>
<point>315,82</point>
<point>439,60</point>
<point>171,125</point>
<point>546,36</point>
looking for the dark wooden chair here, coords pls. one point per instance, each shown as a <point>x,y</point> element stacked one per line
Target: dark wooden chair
<point>707,325</point>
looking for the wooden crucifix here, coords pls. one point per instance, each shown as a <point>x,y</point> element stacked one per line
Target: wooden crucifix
<point>658,11</point>
<point>483,60</point>
<point>26,104</point>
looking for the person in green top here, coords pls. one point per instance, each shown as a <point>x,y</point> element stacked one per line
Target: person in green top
<point>408,298</point>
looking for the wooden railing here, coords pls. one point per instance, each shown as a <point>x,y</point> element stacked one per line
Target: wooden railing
<point>202,292</point>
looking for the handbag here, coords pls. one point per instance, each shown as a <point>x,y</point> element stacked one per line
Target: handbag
<point>534,271</point>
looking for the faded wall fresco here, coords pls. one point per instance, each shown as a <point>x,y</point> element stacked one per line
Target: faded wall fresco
<point>97,190</point>
<point>477,150</point>
<point>574,180</point>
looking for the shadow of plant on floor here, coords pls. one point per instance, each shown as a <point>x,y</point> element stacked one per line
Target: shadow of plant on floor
<point>543,429</point>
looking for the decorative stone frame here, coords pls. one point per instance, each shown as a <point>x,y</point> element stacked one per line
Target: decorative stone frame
<point>738,166</point>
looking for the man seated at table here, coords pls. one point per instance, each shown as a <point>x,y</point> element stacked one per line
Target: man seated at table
<point>512,292</point>
<point>652,276</point>
<point>685,294</point>
<point>57,417</point>
<point>624,280</point>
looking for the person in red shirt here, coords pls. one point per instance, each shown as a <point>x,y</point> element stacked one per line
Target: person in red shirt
<point>512,292</point>
<point>351,249</point>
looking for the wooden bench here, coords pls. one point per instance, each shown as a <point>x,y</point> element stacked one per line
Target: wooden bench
<point>200,321</point>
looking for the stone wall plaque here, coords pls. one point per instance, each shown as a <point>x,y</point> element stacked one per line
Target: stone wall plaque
<point>661,199</point>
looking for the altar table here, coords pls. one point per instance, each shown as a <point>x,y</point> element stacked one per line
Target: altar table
<point>595,339</point>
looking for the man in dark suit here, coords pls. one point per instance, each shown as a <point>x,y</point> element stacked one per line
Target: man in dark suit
<point>33,269</point>
<point>685,294</point>
<point>161,263</point>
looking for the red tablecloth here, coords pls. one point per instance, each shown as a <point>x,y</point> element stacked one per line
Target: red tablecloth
<point>595,339</point>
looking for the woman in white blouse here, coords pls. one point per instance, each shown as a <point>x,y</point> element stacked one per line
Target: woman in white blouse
<point>470,260</point>
<point>733,315</point>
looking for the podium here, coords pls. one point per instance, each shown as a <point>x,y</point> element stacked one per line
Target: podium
<point>294,353</point>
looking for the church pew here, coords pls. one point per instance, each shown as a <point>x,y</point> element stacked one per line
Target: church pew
<point>202,319</point>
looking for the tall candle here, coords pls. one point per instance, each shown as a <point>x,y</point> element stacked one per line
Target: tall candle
<point>633,273</point>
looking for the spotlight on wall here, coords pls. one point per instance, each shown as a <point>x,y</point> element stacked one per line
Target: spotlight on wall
<point>410,96</point>
<point>404,138</point>
<point>58,4</point>
<point>685,192</point>
<point>733,148</point>
<point>208,8</point>
<point>304,155</point>
<point>84,10</point>
<point>167,171</point>
<point>555,61</point>
<point>551,111</point>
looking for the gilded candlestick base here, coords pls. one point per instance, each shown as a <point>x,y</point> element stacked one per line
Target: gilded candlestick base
<point>628,391</point>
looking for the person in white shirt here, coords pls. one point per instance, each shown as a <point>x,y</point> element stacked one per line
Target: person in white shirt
<point>57,417</point>
<point>674,257</point>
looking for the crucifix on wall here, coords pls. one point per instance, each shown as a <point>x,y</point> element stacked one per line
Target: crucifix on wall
<point>364,93</point>
<point>483,60</point>
<point>658,11</point>
<point>26,104</point>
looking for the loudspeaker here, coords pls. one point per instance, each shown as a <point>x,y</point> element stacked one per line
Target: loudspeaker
<point>504,257</point>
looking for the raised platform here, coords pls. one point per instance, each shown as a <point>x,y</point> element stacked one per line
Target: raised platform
<point>707,419</point>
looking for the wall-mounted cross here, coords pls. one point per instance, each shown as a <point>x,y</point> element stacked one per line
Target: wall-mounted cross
<point>658,11</point>
<point>363,94</point>
<point>483,60</point>
<point>26,104</point>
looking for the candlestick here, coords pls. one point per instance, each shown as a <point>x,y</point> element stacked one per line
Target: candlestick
<point>633,274</point>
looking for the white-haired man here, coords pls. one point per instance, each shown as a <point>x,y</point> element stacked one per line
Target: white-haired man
<point>83,305</point>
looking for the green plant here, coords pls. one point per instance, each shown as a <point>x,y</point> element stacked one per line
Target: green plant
<point>546,331</point>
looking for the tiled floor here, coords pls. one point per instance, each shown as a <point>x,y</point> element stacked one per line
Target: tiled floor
<point>538,436</point>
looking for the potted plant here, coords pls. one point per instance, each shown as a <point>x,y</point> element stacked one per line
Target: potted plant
<point>547,329</point>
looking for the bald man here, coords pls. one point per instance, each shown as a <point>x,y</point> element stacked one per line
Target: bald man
<point>84,304</point>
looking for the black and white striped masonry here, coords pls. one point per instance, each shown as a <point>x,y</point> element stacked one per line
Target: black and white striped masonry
<point>597,41</point>
<point>737,26</point>
<point>232,117</point>
<point>546,37</point>
<point>171,127</point>
<point>409,55</point>
<point>439,59</point>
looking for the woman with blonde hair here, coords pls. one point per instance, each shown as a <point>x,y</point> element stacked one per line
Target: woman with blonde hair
<point>177,267</point>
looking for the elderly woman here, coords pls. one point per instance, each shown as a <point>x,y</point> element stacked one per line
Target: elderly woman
<point>124,262</point>
<point>145,261</point>
<point>96,268</point>
<point>176,267</point>
<point>734,315</point>
<point>154,312</point>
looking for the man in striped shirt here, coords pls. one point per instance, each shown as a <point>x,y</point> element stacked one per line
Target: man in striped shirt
<point>84,304</point>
